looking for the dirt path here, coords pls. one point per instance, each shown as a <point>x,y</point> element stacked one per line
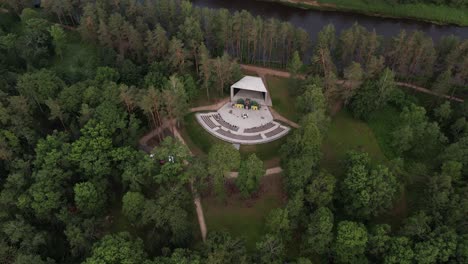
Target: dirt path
<point>427,91</point>
<point>213,107</point>
<point>143,144</point>
<point>267,71</point>
<point>283,119</point>
<point>196,196</point>
<point>279,73</point>
<point>270,171</point>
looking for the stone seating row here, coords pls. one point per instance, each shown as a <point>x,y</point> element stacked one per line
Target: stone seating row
<point>225,124</point>
<point>274,132</point>
<point>228,134</point>
<point>259,128</point>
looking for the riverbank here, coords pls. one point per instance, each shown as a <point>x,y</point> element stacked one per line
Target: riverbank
<point>441,15</point>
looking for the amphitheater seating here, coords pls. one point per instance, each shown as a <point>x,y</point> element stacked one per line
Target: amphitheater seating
<point>219,127</point>
<point>225,124</point>
<point>274,132</point>
<point>259,128</point>
<point>238,137</point>
<point>207,120</point>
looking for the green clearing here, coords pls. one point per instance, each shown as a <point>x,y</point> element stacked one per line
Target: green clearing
<point>200,142</point>
<point>345,134</point>
<point>382,124</point>
<point>197,138</point>
<point>281,97</point>
<point>244,218</point>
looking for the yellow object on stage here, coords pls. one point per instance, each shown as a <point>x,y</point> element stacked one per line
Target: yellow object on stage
<point>254,107</point>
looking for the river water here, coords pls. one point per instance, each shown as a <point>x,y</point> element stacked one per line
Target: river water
<point>313,21</point>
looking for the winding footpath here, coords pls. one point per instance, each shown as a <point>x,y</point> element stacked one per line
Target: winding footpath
<point>170,124</point>
<point>262,71</point>
<point>143,144</point>
<point>213,107</point>
<point>196,196</point>
<point>270,171</point>
<point>278,117</point>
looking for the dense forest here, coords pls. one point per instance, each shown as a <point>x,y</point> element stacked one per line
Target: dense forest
<point>82,81</point>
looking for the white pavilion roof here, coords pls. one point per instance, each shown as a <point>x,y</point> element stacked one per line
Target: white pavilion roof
<point>251,83</point>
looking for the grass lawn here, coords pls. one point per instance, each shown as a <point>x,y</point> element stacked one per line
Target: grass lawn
<point>244,217</point>
<point>197,138</point>
<point>345,134</point>
<point>200,142</point>
<point>382,124</point>
<point>281,97</point>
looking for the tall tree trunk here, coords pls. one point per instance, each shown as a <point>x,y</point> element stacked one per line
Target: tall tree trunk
<point>160,123</point>
<point>63,125</point>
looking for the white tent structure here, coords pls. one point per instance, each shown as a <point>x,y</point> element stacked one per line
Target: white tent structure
<point>251,87</point>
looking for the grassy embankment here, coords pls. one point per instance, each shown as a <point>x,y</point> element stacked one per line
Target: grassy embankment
<point>281,96</point>
<point>245,218</point>
<point>438,14</point>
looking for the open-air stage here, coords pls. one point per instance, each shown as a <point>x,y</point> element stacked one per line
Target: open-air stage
<point>242,126</point>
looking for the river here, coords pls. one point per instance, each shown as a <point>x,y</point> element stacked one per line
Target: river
<point>313,20</point>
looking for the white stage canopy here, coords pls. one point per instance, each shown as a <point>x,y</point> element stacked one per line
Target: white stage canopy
<point>253,84</point>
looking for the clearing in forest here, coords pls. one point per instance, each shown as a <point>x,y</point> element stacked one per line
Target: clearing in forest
<point>244,217</point>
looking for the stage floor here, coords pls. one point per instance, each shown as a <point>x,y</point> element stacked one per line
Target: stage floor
<point>252,95</point>
<point>255,118</point>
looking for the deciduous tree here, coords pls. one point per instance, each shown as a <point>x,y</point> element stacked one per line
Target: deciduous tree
<point>367,191</point>
<point>59,39</point>
<point>250,172</point>
<point>350,243</point>
<point>133,204</point>
<point>222,158</point>
<point>90,198</point>
<point>321,190</point>
<point>270,249</point>
<point>319,231</point>
<point>117,248</point>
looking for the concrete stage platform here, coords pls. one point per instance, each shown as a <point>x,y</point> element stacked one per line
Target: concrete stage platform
<point>229,125</point>
<point>255,118</point>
